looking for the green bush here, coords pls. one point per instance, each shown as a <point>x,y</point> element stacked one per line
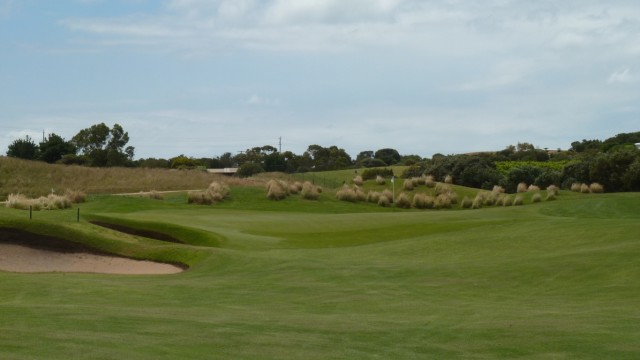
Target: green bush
<point>369,174</point>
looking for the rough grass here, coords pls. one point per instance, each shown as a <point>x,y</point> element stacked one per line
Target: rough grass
<point>49,202</point>
<point>522,187</point>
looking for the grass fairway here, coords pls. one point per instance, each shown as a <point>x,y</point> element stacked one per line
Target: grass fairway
<point>333,280</point>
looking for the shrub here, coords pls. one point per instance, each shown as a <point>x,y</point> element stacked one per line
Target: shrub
<point>408,185</point>
<point>596,188</point>
<point>585,189</point>
<point>533,188</point>
<point>575,187</point>
<point>522,187</point>
<point>310,191</point>
<point>380,180</point>
<point>518,201</point>
<point>466,203</point>
<point>369,174</point>
<point>403,201</point>
<point>536,198</point>
<point>358,180</point>
<point>448,179</point>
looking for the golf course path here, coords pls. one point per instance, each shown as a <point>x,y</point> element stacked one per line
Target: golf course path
<point>17,258</point>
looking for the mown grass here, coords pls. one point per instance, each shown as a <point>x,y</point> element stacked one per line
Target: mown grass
<point>329,279</point>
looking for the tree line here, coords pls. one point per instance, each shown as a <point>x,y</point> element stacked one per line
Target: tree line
<point>614,162</point>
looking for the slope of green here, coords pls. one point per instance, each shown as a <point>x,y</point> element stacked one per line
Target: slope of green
<point>335,280</point>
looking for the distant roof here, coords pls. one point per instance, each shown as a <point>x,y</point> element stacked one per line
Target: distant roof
<point>223,171</point>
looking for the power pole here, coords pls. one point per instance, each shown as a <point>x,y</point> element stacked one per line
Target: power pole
<point>280,144</point>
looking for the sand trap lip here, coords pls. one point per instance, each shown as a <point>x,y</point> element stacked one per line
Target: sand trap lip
<point>18,258</point>
<point>24,252</point>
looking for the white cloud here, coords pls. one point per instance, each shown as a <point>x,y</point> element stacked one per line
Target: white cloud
<point>622,76</point>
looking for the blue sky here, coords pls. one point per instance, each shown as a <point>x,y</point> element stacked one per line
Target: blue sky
<point>201,78</point>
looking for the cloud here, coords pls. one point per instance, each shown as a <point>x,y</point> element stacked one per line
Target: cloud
<point>258,100</point>
<point>622,76</point>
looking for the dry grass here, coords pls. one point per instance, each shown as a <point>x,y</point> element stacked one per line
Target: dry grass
<point>536,198</point>
<point>443,201</point>
<point>408,185</point>
<point>518,201</point>
<point>384,201</point>
<point>585,189</point>
<point>50,202</point>
<point>153,194</point>
<point>76,196</point>
<point>448,179</point>
<point>310,191</point>
<point>353,194</point>
<point>403,201</point>
<point>277,189</point>
<point>596,188</point>
<point>533,188</point>
<point>478,201</point>
<point>466,203</point>
<point>507,200</point>
<point>358,180</point>
<point>34,178</point>
<point>215,193</point>
<point>522,187</point>
<point>553,190</point>
<point>380,180</point>
<point>420,181</point>
<point>295,188</point>
<point>497,189</point>
<point>575,187</point>
<point>429,181</point>
<point>373,197</point>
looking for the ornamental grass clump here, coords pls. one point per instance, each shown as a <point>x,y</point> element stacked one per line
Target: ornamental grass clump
<point>76,196</point>
<point>50,202</point>
<point>522,187</point>
<point>536,198</point>
<point>443,201</point>
<point>310,191</point>
<point>518,201</point>
<point>596,188</point>
<point>507,201</point>
<point>354,194</point>
<point>403,201</point>
<point>277,190</point>
<point>497,189</point>
<point>584,188</point>
<point>295,188</point>
<point>533,188</point>
<point>215,193</point>
<point>358,180</point>
<point>373,197</point>
<point>478,201</point>
<point>448,179</point>
<point>575,187</point>
<point>380,180</point>
<point>490,199</point>
<point>466,203</point>
<point>384,201</point>
<point>408,185</point>
<point>388,194</point>
<point>429,181</point>
<point>153,194</point>
<point>553,190</point>
<point>418,181</point>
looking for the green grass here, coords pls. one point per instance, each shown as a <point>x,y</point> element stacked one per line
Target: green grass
<point>329,279</point>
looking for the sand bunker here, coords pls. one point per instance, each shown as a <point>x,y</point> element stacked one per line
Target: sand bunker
<point>47,254</point>
<point>18,258</point>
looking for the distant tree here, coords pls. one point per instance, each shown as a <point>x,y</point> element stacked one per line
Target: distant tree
<point>23,148</point>
<point>364,156</point>
<point>102,146</point>
<point>389,156</point>
<point>249,169</point>
<point>54,147</point>
<point>410,159</point>
<point>153,163</point>
<point>183,162</point>
<point>331,158</point>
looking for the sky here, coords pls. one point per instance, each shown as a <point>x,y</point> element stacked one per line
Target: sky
<point>205,77</point>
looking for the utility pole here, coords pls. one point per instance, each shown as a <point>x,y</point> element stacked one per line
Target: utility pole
<point>280,144</point>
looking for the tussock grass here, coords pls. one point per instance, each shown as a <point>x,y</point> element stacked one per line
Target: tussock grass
<point>76,196</point>
<point>50,202</point>
<point>429,181</point>
<point>215,193</point>
<point>536,198</point>
<point>553,190</point>
<point>310,191</point>
<point>277,189</point>
<point>384,201</point>
<point>518,201</point>
<point>408,185</point>
<point>388,194</point>
<point>478,201</point>
<point>295,187</point>
<point>380,180</point>
<point>351,194</point>
<point>403,201</point>
<point>443,201</point>
<point>497,189</point>
<point>596,188</point>
<point>153,194</point>
<point>533,188</point>
<point>448,179</point>
<point>466,203</point>
<point>507,200</point>
<point>373,197</point>
<point>585,189</point>
<point>420,181</point>
<point>576,187</point>
<point>522,187</point>
<point>358,180</point>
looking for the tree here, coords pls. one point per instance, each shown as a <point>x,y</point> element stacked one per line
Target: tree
<point>23,149</point>
<point>54,148</point>
<point>102,146</point>
<point>389,156</point>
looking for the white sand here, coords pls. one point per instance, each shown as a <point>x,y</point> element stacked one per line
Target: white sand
<point>17,258</point>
